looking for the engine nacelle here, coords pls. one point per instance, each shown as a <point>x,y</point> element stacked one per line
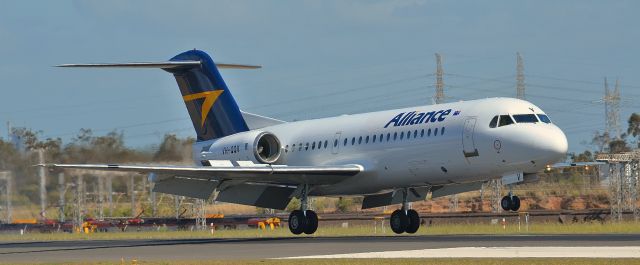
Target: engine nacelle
<point>257,146</point>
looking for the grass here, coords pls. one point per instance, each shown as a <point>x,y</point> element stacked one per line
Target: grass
<point>327,231</point>
<point>478,261</point>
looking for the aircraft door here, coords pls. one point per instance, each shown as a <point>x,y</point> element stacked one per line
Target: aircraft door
<point>336,143</point>
<point>468,143</point>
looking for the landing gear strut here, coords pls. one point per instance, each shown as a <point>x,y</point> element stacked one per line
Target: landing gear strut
<point>404,220</point>
<point>303,220</point>
<point>510,202</point>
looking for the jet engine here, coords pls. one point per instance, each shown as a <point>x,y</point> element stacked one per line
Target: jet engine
<point>257,146</point>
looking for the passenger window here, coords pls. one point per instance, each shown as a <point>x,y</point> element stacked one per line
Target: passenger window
<point>300,147</point>
<point>335,143</point>
<point>494,122</point>
<point>366,140</point>
<point>353,141</point>
<point>293,147</point>
<point>544,118</point>
<point>360,140</point>
<point>435,132</point>
<point>429,132</point>
<point>422,133</point>
<point>286,149</point>
<point>505,120</point>
<point>401,135</point>
<point>442,131</point>
<point>319,144</point>
<point>374,138</point>
<point>395,136</point>
<point>388,136</point>
<point>327,142</point>
<point>415,133</point>
<point>306,146</point>
<point>345,142</point>
<point>313,146</point>
<point>381,137</point>
<point>525,118</point>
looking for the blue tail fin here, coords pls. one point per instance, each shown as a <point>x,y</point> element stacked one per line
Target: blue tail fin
<point>213,110</point>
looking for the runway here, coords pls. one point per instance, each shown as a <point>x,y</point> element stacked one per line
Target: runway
<point>618,245</point>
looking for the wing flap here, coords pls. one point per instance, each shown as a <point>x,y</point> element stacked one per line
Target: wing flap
<point>195,188</point>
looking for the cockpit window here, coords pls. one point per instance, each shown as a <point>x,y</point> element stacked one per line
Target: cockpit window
<point>544,118</point>
<point>525,118</point>
<point>494,122</point>
<point>505,120</point>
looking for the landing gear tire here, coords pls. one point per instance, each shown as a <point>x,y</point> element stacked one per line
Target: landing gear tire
<point>399,221</point>
<point>515,203</point>
<point>297,222</point>
<point>414,221</point>
<point>505,203</point>
<point>312,222</point>
<point>510,203</point>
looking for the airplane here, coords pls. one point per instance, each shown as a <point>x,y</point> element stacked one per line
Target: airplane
<point>388,157</point>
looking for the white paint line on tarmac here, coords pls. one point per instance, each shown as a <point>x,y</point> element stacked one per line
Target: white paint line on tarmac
<point>494,252</point>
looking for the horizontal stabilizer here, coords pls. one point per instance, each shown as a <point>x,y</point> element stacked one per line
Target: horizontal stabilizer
<point>161,65</point>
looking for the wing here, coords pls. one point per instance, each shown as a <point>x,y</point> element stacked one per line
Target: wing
<point>574,164</point>
<point>256,173</point>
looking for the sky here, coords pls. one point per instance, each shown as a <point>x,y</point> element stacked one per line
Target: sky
<point>319,58</point>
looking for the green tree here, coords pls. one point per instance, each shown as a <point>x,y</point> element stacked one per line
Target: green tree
<point>634,127</point>
<point>344,204</point>
<point>585,156</point>
<point>600,140</point>
<point>618,146</point>
<point>174,149</point>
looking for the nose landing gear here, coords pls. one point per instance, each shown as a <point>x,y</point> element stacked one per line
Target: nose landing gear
<point>404,220</point>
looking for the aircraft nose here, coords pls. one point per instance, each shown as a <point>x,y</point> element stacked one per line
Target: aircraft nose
<point>554,144</point>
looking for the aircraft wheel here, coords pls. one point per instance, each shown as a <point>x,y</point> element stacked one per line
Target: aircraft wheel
<point>506,203</point>
<point>399,221</point>
<point>312,222</point>
<point>414,221</point>
<point>515,203</point>
<point>297,222</point>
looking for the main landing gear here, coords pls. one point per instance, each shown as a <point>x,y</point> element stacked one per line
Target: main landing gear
<point>510,202</point>
<point>404,220</point>
<point>303,220</point>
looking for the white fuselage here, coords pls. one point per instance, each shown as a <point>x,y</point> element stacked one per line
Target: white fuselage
<point>453,145</point>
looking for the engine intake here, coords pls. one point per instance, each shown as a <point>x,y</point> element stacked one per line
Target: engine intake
<point>267,148</point>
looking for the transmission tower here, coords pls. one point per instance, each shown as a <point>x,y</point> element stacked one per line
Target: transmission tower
<point>42,173</point>
<point>612,109</point>
<point>623,171</point>
<point>6,182</point>
<point>520,76</point>
<point>439,97</point>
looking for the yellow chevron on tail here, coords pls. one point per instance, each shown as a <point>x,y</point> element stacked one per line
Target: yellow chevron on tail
<point>210,98</point>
